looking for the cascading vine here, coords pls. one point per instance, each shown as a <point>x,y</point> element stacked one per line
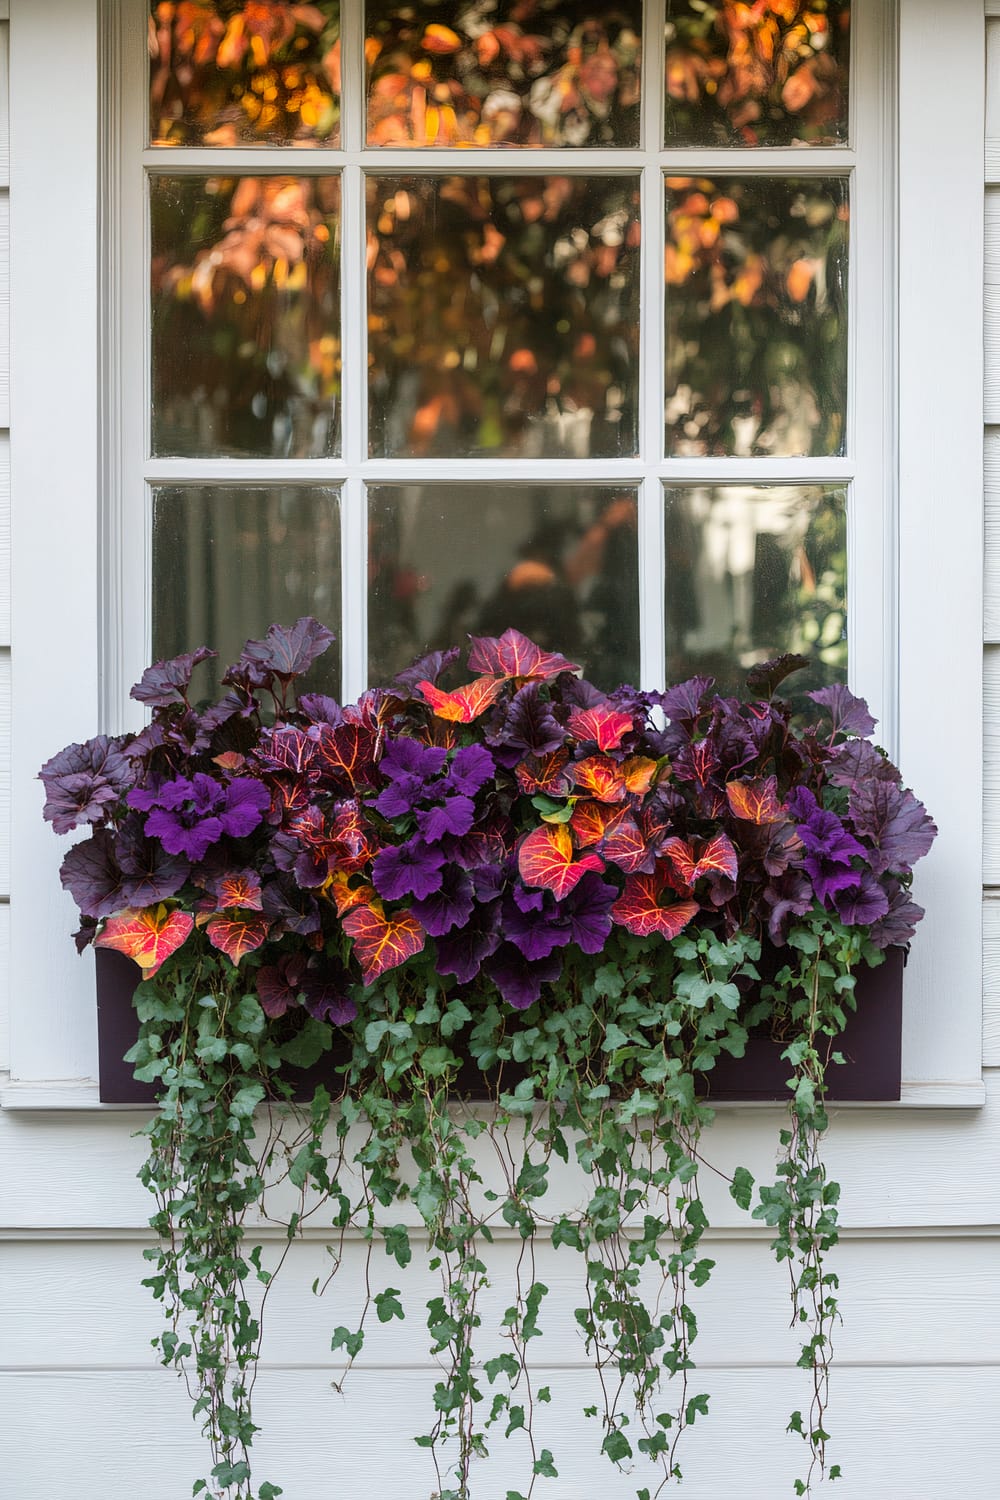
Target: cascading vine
<point>521,920</point>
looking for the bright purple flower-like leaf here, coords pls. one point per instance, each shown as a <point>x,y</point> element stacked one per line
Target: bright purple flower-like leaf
<point>896,928</point>
<point>411,869</point>
<point>861,904</point>
<point>801,804</point>
<point>528,900</point>
<point>449,907</point>
<point>587,909</point>
<point>287,650</point>
<point>279,985</point>
<point>488,882</point>
<point>83,781</point>
<point>517,978</point>
<point>453,817</point>
<point>401,796</point>
<point>894,820</point>
<point>167,682</point>
<point>849,714</point>
<point>829,849</point>
<point>404,757</point>
<point>472,767</point>
<point>246,802</point>
<point>181,833</point>
<point>536,934</point>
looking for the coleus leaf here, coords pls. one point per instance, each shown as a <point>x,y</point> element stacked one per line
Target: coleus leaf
<point>237,936</point>
<point>546,859</point>
<point>167,682</point>
<point>466,703</point>
<point>755,799</point>
<point>639,911</point>
<point>288,650</point>
<point>715,856</point>
<point>605,725</point>
<point>148,935</point>
<point>514,655</point>
<point>768,675</point>
<point>382,942</point>
<point>287,749</point>
<point>345,755</point>
<point>240,889</point>
<point>639,773</point>
<point>346,896</point>
<point>623,844</point>
<point>544,773</point>
<point>600,777</point>
<point>590,822</point>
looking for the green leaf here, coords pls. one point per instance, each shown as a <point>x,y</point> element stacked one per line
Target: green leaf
<point>544,1465</point>
<point>270,1491</point>
<point>397,1243</point>
<point>741,1188</point>
<point>309,1043</point>
<point>246,1100</point>
<point>388,1305</point>
<point>617,1446</point>
<point>343,1338</point>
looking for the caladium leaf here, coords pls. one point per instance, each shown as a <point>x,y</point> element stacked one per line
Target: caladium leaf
<point>514,655</point>
<point>640,912</point>
<point>288,650</point>
<point>382,942</point>
<point>605,725</point>
<point>148,936</point>
<point>546,859</point>
<point>237,936</point>
<point>600,777</point>
<point>167,682</point>
<point>465,704</point>
<point>754,799</point>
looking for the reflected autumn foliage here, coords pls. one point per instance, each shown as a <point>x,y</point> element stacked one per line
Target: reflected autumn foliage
<point>514,73</point>
<point>756,272</point>
<point>766,73</point>
<point>240,74</point>
<point>503,316</point>
<point>245,284</point>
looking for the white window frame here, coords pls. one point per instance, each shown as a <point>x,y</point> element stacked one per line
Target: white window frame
<point>81,561</point>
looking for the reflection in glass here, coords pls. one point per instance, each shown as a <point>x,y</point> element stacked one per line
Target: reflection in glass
<point>245,290</point>
<point>503,316</point>
<point>259,74</point>
<point>558,563</point>
<point>756,271</point>
<point>511,73</point>
<point>227,563</point>
<point>753,571</point>
<point>770,74</point>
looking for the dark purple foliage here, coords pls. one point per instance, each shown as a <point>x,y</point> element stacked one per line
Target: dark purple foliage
<point>287,650</point>
<point>448,907</point>
<point>425,669</point>
<point>768,675</point>
<point>83,782</point>
<point>518,979</point>
<point>899,923</point>
<point>463,951</point>
<point>529,725</point>
<point>849,714</point>
<point>411,869</point>
<point>166,682</point>
<point>861,904</point>
<point>894,821</point>
<point>279,985</point>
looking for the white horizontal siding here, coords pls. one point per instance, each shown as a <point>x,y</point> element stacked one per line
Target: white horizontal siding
<point>4,985</point>
<point>991,765</point>
<point>992,144</point>
<point>925,1434</point>
<point>4,771</point>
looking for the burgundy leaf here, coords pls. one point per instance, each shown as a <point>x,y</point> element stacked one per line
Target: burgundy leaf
<point>166,682</point>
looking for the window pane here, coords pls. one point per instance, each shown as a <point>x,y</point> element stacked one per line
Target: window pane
<point>559,564</point>
<point>254,75</point>
<point>756,271</point>
<point>514,73</point>
<point>771,74</point>
<point>227,563</point>
<point>245,290</point>
<point>503,316</point>
<point>752,572</point>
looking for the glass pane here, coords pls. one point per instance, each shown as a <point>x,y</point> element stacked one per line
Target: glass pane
<point>770,74</point>
<point>753,571</point>
<point>227,563</point>
<point>245,291</point>
<point>509,73</point>
<point>756,271</point>
<point>503,316</point>
<point>261,74</point>
<point>558,563</point>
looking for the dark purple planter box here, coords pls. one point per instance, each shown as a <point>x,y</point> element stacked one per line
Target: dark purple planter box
<point>870,1043</point>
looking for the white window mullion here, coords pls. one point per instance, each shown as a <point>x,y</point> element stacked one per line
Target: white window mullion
<point>650,536</point>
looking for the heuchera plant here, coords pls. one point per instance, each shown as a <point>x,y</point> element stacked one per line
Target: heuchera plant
<point>520,873</point>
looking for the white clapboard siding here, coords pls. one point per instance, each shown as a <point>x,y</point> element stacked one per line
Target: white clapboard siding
<point>924,1434</point>
<point>4,771</point>
<point>991,560</point>
<point>80,1305</point>
<point>991,765</point>
<point>992,154</point>
<point>991,982</point>
<point>4,113</point>
<point>4,985</point>
<point>4,308</point>
<point>899,1170</point>
<point>4,539</point>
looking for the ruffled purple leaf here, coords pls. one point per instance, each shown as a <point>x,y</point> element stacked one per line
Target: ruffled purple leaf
<point>148,873</point>
<point>246,803</point>
<point>463,951</point>
<point>587,910</point>
<point>472,767</point>
<point>860,905</point>
<point>897,824</point>
<point>279,985</point>
<point>296,910</point>
<point>286,650</point>
<point>535,934</point>
<point>791,896</point>
<point>411,869</point>
<point>109,871</point>
<point>167,682</point>
<point>183,834</point>
<point>404,757</point>
<point>451,818</point>
<point>849,714</point>
<point>321,709</point>
<point>684,702</point>
<point>425,669</point>
<point>518,979</point>
<point>529,724</point>
<point>897,927</point>
<point>83,781</point>
<point>401,796</point>
<point>859,761</point>
<point>447,908</point>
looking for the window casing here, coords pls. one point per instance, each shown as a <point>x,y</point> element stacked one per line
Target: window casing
<point>894,549</point>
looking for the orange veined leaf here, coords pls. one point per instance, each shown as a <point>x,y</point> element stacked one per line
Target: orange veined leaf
<point>623,844</point>
<point>237,936</point>
<point>605,725</point>
<point>466,703</point>
<point>638,908</point>
<point>600,777</point>
<point>546,859</point>
<point>689,862</point>
<point>345,896</point>
<point>240,891</point>
<point>148,935</point>
<point>513,654</point>
<point>382,942</point>
<point>544,773</point>
<point>754,800</point>
<point>639,772</point>
<point>589,822</point>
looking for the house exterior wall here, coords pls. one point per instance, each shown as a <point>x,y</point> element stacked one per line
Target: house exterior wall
<point>89,1412</point>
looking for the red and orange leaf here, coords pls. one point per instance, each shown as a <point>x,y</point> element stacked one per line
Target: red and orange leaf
<point>546,859</point>
<point>148,935</point>
<point>680,856</point>
<point>754,800</point>
<point>382,942</point>
<point>639,772</point>
<point>717,857</point>
<point>624,844</point>
<point>589,822</point>
<point>345,896</point>
<point>229,760</point>
<point>638,908</point>
<point>241,890</point>
<point>514,655</point>
<point>604,724</point>
<point>466,703</point>
<point>347,753</point>
<point>600,777</point>
<point>544,773</point>
<point>237,936</point>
